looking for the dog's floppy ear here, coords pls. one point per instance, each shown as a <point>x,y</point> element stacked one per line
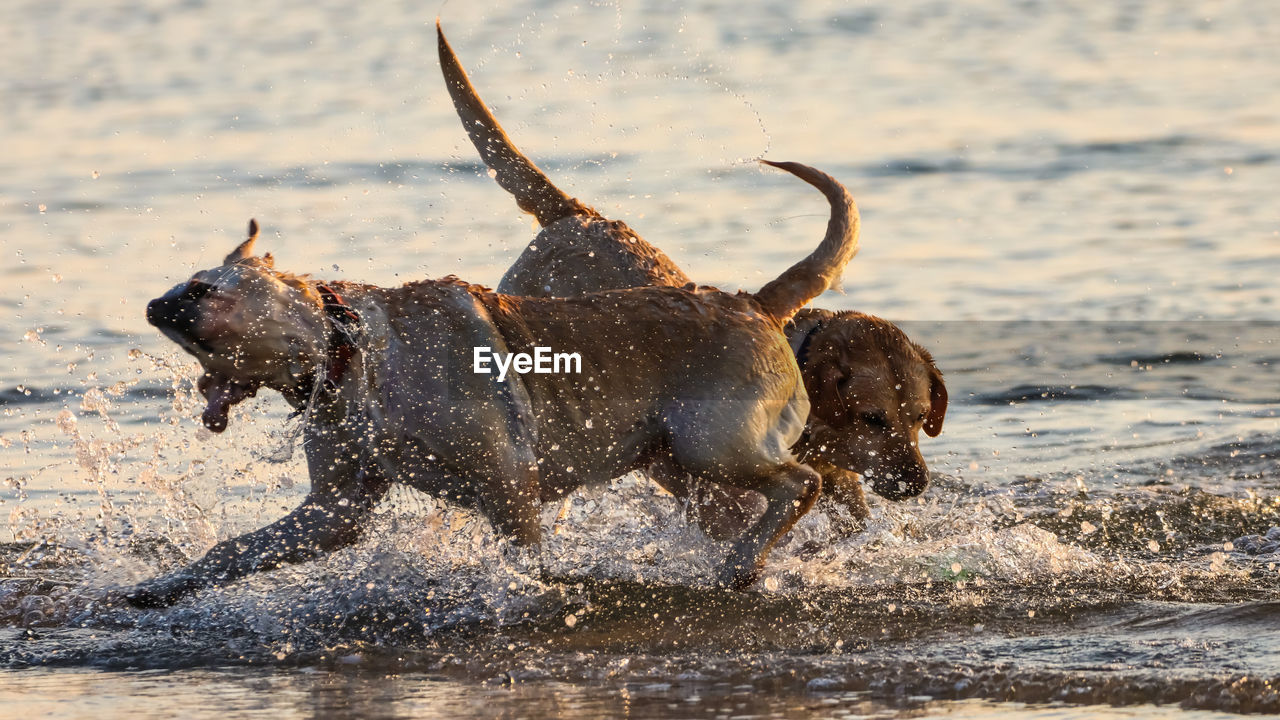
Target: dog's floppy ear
<point>937,401</point>
<point>244,250</point>
<point>824,380</point>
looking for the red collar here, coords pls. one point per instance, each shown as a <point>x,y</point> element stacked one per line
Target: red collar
<point>344,329</point>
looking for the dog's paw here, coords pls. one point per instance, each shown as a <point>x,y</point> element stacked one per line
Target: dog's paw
<point>160,593</point>
<point>111,598</point>
<point>735,576</point>
<point>146,599</point>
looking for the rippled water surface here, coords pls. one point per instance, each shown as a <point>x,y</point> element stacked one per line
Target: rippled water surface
<point>1072,204</point>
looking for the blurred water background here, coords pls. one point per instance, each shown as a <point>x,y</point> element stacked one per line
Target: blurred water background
<point>1072,204</point>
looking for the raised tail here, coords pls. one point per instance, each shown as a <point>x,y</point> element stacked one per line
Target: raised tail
<point>810,277</point>
<point>516,173</point>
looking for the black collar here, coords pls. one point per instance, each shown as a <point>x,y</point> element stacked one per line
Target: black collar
<point>802,357</point>
<point>802,352</point>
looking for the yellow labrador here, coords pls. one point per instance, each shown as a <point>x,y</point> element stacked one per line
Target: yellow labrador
<point>442,386</point>
<point>871,389</point>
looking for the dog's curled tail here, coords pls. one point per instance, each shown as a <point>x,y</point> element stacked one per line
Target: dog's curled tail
<point>516,173</point>
<point>810,277</point>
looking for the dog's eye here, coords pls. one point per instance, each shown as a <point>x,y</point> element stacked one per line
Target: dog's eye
<point>876,419</point>
<point>196,290</point>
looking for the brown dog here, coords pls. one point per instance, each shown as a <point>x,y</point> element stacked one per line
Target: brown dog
<point>675,381</point>
<point>871,389</point>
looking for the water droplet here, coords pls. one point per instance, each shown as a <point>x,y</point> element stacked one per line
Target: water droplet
<point>571,620</point>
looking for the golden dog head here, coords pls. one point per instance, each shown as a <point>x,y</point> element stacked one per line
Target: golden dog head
<point>248,325</point>
<point>871,391</point>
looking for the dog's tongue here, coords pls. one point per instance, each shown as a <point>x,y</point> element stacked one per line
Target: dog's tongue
<point>222,393</point>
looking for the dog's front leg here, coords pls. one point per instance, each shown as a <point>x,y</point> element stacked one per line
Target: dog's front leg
<point>843,499</point>
<point>343,491</point>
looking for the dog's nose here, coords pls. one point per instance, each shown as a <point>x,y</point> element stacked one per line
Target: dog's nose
<point>159,311</point>
<point>176,309</point>
<point>167,312</point>
<point>901,485</point>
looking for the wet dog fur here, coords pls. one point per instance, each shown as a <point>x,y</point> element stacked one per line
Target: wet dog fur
<point>871,389</point>
<point>675,381</point>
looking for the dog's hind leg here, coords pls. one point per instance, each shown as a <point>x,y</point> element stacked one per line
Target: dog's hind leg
<point>722,512</point>
<point>790,491</point>
<point>744,443</point>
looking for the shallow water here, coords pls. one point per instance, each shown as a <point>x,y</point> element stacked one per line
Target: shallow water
<point>1070,204</point>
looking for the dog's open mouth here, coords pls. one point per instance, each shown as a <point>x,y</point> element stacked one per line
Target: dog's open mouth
<point>222,392</point>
